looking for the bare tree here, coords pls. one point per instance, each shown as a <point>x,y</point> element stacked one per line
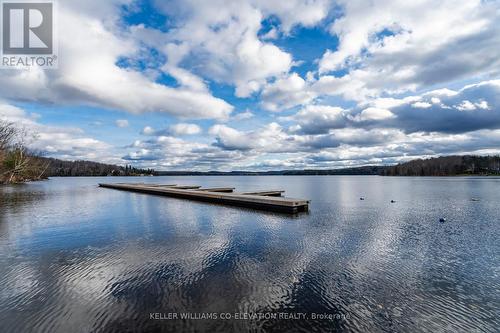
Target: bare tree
<point>7,134</point>
<point>17,162</point>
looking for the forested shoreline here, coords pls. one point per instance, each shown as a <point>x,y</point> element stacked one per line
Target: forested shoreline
<point>60,168</point>
<point>446,166</point>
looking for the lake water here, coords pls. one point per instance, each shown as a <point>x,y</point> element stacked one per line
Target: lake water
<point>78,258</point>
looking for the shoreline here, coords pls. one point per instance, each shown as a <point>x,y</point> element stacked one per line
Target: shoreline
<point>258,175</point>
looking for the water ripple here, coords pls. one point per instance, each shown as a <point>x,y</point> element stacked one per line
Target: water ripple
<point>101,261</point>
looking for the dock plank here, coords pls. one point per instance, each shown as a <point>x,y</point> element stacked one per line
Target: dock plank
<point>272,193</point>
<point>187,187</point>
<point>217,189</point>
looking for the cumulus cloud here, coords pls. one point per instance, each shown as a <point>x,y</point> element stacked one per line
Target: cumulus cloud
<point>148,130</point>
<point>307,13</point>
<point>372,113</point>
<point>231,139</point>
<point>142,155</point>
<point>185,129</point>
<point>222,40</point>
<point>269,138</point>
<point>318,119</point>
<point>179,129</point>
<point>171,153</point>
<point>286,92</point>
<point>352,137</point>
<point>91,44</point>
<point>387,47</point>
<point>424,105</point>
<point>469,106</point>
<point>122,123</point>
<point>243,115</point>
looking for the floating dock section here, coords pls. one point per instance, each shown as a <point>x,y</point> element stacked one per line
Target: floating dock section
<point>263,200</point>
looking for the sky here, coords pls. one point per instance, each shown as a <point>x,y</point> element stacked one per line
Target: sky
<point>264,85</point>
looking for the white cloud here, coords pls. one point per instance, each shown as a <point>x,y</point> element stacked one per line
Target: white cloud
<point>307,13</point>
<point>269,138</point>
<point>166,152</point>
<point>122,123</point>
<point>374,114</point>
<point>317,119</point>
<point>386,47</point>
<point>482,105</point>
<point>222,41</point>
<point>142,155</point>
<point>243,115</point>
<point>148,130</point>
<point>286,92</point>
<point>185,129</point>
<point>271,34</point>
<point>90,44</point>
<point>179,129</point>
<point>466,106</point>
<point>11,113</point>
<point>352,137</point>
<point>231,139</point>
<point>424,105</point>
<point>292,91</point>
<point>469,106</point>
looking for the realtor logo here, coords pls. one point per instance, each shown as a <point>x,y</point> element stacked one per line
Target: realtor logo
<point>28,34</point>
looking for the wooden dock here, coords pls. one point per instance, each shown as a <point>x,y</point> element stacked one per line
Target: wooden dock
<point>263,200</point>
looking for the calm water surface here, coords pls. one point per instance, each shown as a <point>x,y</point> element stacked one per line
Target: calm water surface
<point>77,258</point>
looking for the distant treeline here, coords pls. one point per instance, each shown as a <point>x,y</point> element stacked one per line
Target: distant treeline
<point>59,168</point>
<point>365,170</point>
<point>446,166</point>
<point>439,166</point>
